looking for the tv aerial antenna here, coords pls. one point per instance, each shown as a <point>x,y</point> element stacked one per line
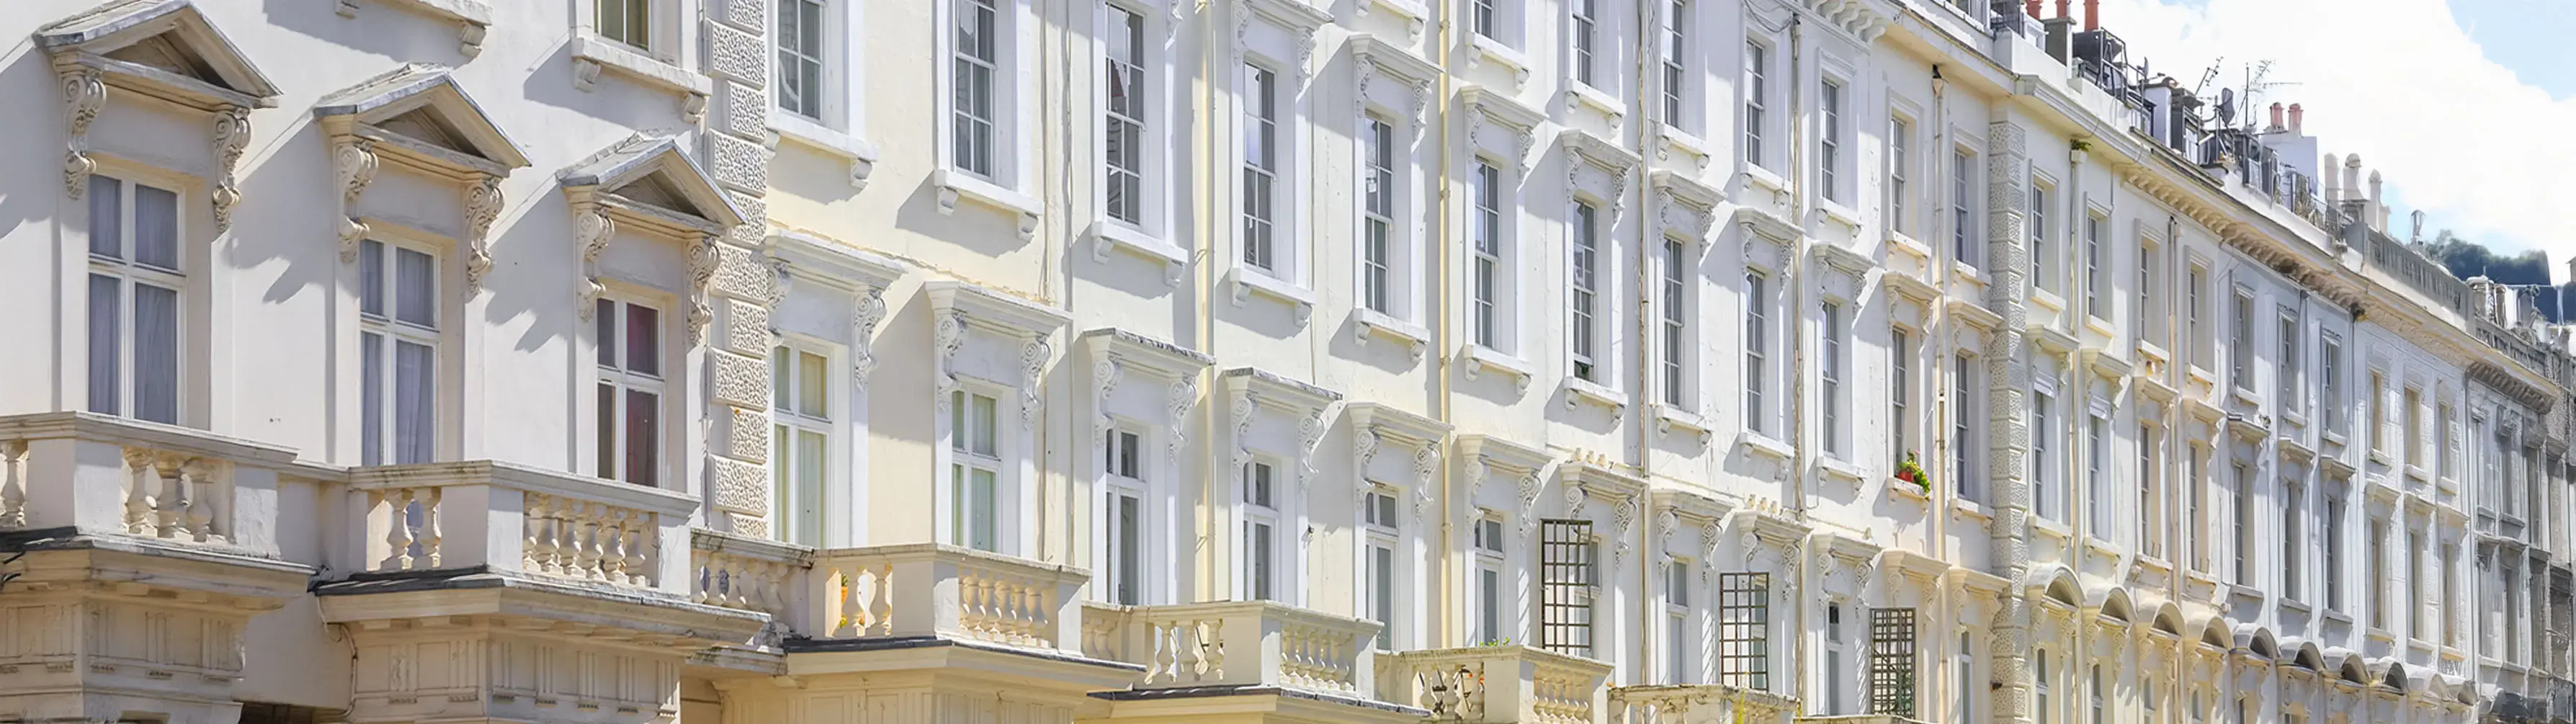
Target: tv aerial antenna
<point>2202,88</point>
<point>2256,83</point>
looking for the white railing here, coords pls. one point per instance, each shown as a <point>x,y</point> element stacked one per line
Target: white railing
<point>1497,684</point>
<point>750,574</point>
<point>927,589</point>
<point>520,520</point>
<point>1239,643</point>
<point>159,481</point>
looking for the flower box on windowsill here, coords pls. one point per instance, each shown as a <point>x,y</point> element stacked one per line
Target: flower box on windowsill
<point>1902,489</point>
<point>1374,323</point>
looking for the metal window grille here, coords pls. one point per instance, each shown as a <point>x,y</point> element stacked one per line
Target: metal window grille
<point>1891,661</point>
<point>1566,555</point>
<point>1744,630</point>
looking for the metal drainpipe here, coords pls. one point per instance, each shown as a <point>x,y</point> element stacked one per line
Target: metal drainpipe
<point>1797,497</point>
<point>1442,331</point>
<point>1648,131</point>
<point>1209,532</point>
<point>1938,433</point>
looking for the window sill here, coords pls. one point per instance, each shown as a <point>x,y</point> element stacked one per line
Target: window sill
<point>2244,396</point>
<point>2338,616</point>
<point>1584,95</point>
<point>2050,528</point>
<point>2382,635</point>
<point>1910,246</point>
<point>1374,323</point>
<point>1668,417</point>
<point>1757,177</point>
<point>954,185</point>
<point>1834,468</point>
<point>1835,212</point>
<point>1413,13</point>
<point>1475,358</point>
<point>592,54</point>
<point>1503,55</point>
<point>1107,235</point>
<point>2097,324</point>
<point>2332,437</point>
<point>2295,419</point>
<point>1966,273</point>
<point>1760,445</point>
<point>1903,489</point>
<point>2380,458</point>
<point>2293,604</point>
<point>1684,142</point>
<point>2196,374</point>
<point>2042,297</point>
<point>2242,592</point>
<point>1970,509</point>
<point>1579,390</point>
<point>803,131</point>
<point>1247,280</point>
<point>2418,474</point>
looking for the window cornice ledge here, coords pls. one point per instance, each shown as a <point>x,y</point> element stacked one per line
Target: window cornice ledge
<point>802,131</point>
<point>1107,235</point>
<point>591,54</point>
<point>954,184</point>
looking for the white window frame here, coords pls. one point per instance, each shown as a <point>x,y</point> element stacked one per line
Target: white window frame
<point>1583,47</point>
<point>623,380</point>
<point>1678,338</point>
<point>2097,471</point>
<point>1900,164</point>
<point>1680,659</point>
<point>1756,336</point>
<point>1966,407</point>
<point>1676,84</point>
<point>958,456</point>
<point>130,273</point>
<point>1146,117</point>
<point>1260,565</point>
<point>1287,259</point>
<point>1837,660</point>
<point>1833,97</point>
<point>662,35</point>
<point>2097,270</point>
<point>1588,281</point>
<point>1965,184</point>
<point>2286,370</point>
<point>390,334</point>
<point>1833,371</point>
<point>1492,590</point>
<point>1756,88</point>
<point>790,423</point>
<point>1382,550</point>
<point>1493,314</point>
<point>1010,180</point>
<point>1901,347</point>
<point>2240,348</point>
<point>828,59</point>
<point>1125,474</point>
<point>2048,497</point>
<point>1384,190</point>
<point>2330,364</point>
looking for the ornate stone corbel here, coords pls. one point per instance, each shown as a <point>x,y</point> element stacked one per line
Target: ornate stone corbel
<point>591,290</point>
<point>1033,357</point>
<point>1665,521</point>
<point>1575,496</point>
<point>1243,405</point>
<point>1426,464</point>
<point>1310,433</point>
<point>591,228</point>
<point>1183,393</point>
<point>1709,534</point>
<point>84,93</point>
<point>1104,379</point>
<point>232,136</point>
<point>865,313</point>
<point>1363,448</point>
<point>703,261</point>
<point>354,161</point>
<point>1532,483</point>
<point>482,207</point>
<point>1623,516</point>
<point>947,336</point>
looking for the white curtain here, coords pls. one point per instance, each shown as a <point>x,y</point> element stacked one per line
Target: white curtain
<point>415,379</point>
<point>371,398</point>
<point>105,293</point>
<point>156,353</point>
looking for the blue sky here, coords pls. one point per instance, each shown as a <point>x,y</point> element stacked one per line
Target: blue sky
<point>2467,106</point>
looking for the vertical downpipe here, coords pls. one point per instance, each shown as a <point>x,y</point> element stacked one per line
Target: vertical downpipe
<point>1205,316</point>
<point>1441,328</point>
<point>1792,321</point>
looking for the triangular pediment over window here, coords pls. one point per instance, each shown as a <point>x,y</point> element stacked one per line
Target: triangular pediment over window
<point>419,111</point>
<point>162,48</point>
<point>649,175</point>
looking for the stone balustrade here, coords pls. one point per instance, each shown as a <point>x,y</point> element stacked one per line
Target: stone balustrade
<point>749,574</point>
<point>1236,643</point>
<point>1707,704</point>
<point>1497,684</point>
<point>930,589</point>
<point>515,519</point>
<point>100,475</point>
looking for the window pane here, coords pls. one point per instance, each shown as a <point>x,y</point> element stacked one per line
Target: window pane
<point>1130,549</point>
<point>780,385</point>
<point>156,354</point>
<point>371,278</point>
<point>156,227</point>
<point>415,288</point>
<point>957,420</point>
<point>105,368</point>
<point>415,409</point>
<point>643,441</point>
<point>982,417</point>
<point>981,525</point>
<point>607,432</point>
<point>779,438</point>
<point>643,340</point>
<point>604,323</point>
<point>808,496</point>
<point>106,216</point>
<point>809,384</point>
<point>371,399</point>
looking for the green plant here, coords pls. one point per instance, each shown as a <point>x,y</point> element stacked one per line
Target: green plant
<point>1911,470</point>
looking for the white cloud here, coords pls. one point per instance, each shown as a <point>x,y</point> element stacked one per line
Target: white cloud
<point>2402,84</point>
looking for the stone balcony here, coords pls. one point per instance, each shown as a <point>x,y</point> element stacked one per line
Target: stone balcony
<point>1499,684</point>
<point>1241,657</point>
<point>1709,704</point>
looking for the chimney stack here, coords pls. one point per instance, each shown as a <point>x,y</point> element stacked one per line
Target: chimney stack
<point>2352,178</point>
<point>2092,14</point>
<point>2297,114</point>
<point>2333,192</point>
<point>2376,208</point>
<point>2276,118</point>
